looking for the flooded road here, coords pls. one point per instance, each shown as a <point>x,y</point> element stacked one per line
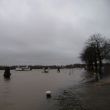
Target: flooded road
<point>26,89</point>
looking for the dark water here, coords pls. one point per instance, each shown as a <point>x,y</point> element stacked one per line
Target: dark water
<point>26,89</point>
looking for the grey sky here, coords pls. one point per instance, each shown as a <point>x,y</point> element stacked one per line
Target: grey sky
<point>49,31</point>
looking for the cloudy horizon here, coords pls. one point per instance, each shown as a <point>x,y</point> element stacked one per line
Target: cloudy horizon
<point>48,32</point>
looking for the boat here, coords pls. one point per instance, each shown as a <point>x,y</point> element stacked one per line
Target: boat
<point>23,68</point>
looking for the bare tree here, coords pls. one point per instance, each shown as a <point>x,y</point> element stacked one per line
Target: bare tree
<point>96,50</point>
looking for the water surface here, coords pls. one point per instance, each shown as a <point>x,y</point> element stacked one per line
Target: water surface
<point>26,89</point>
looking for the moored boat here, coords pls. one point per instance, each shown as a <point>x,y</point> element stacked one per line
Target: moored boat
<point>23,68</point>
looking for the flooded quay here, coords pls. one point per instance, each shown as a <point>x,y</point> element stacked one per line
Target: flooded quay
<point>26,91</point>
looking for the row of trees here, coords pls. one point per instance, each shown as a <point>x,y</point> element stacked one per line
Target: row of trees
<point>97,50</point>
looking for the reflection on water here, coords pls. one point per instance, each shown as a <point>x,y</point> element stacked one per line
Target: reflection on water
<point>7,79</point>
<point>26,89</point>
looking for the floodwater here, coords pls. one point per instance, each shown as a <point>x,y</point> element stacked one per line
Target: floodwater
<point>26,89</point>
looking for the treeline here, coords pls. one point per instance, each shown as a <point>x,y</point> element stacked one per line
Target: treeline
<point>3,67</point>
<point>75,66</point>
<point>95,53</point>
<point>47,66</point>
<point>58,66</point>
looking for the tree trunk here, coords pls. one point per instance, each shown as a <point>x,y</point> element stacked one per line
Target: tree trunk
<point>96,71</point>
<point>100,68</point>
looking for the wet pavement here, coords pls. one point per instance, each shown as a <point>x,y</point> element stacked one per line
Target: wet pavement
<point>86,96</point>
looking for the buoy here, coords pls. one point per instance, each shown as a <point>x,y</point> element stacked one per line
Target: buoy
<point>48,94</point>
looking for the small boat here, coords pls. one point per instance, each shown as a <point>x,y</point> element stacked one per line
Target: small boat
<point>46,70</point>
<point>19,69</point>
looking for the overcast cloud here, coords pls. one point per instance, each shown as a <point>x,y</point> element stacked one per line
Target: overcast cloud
<point>49,31</point>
